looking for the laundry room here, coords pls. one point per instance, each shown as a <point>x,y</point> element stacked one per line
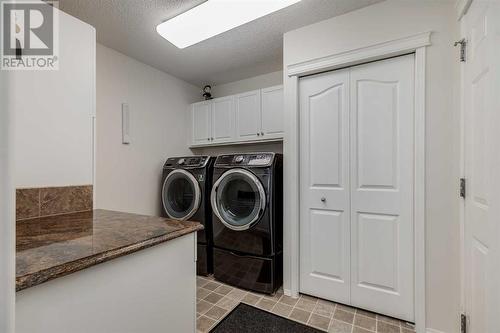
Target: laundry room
<point>249,166</point>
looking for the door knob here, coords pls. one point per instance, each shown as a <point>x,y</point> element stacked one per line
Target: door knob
<point>323,199</point>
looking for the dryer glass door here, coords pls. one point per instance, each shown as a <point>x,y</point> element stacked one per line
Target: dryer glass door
<point>238,199</point>
<point>181,195</point>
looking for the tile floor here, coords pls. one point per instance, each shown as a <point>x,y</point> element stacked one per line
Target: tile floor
<point>215,300</point>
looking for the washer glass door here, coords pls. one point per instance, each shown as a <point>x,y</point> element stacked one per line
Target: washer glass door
<point>238,199</point>
<point>181,195</point>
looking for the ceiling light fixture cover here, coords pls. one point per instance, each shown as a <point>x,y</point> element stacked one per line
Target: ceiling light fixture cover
<point>214,17</point>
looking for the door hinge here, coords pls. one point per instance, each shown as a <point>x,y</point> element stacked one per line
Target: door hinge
<point>463,323</point>
<point>462,187</point>
<point>463,49</point>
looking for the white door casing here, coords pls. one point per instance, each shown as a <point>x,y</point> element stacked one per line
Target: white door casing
<point>324,167</point>
<point>417,43</point>
<point>356,173</point>
<point>272,112</point>
<point>382,168</point>
<point>248,115</point>
<point>223,119</point>
<point>201,118</point>
<point>481,86</point>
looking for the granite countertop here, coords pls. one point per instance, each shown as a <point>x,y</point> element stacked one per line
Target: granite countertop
<point>54,246</point>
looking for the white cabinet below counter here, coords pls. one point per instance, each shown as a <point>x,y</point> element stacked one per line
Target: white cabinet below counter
<point>250,117</point>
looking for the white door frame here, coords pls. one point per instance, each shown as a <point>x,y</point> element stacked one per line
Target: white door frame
<point>412,44</point>
<point>462,6</point>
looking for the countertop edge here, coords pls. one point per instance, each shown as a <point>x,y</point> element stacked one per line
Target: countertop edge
<point>34,279</point>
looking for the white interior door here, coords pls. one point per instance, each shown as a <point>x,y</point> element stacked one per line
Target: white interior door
<point>223,119</point>
<point>324,189</point>
<point>201,114</point>
<point>248,115</point>
<point>481,27</point>
<point>357,167</point>
<point>382,169</point>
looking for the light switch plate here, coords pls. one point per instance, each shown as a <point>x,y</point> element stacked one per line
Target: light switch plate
<point>125,124</point>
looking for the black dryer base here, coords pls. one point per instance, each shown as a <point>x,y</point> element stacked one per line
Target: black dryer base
<point>260,274</point>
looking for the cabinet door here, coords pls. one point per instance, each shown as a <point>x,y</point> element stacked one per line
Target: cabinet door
<point>201,122</point>
<point>272,112</point>
<point>223,125</point>
<point>248,115</point>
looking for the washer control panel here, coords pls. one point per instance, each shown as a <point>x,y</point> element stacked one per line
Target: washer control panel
<point>186,162</point>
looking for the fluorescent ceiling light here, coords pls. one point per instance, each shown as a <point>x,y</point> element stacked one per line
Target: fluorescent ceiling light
<point>214,17</point>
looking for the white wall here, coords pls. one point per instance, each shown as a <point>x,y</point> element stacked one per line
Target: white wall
<point>7,215</point>
<point>378,23</point>
<point>128,177</point>
<point>253,83</point>
<point>45,136</point>
<point>53,109</point>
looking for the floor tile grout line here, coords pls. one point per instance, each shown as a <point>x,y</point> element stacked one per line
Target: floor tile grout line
<point>315,300</point>
<point>331,316</point>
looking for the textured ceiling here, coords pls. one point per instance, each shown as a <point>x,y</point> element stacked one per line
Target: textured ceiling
<point>129,26</point>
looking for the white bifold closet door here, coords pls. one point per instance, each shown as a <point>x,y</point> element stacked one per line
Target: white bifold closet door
<point>357,167</point>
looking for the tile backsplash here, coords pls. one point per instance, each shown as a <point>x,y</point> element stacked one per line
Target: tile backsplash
<point>47,201</point>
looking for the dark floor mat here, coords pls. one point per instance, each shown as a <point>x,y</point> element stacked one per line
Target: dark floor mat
<point>245,318</point>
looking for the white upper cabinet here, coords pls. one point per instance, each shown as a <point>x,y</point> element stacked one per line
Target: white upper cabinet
<point>248,117</point>
<point>201,114</point>
<point>223,119</point>
<point>272,112</point>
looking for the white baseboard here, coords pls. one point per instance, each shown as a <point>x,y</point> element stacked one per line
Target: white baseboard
<point>289,293</point>
<point>431,330</point>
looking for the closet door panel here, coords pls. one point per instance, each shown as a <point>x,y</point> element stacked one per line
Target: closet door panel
<point>324,220</point>
<point>382,169</point>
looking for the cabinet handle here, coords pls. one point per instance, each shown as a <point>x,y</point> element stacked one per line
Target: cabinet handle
<point>258,134</point>
<point>323,199</point>
<point>212,139</point>
<point>262,133</point>
<point>208,139</point>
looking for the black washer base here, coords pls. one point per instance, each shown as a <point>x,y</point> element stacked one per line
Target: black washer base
<point>204,264</point>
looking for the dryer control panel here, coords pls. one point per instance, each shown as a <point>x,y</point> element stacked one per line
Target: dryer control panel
<point>249,160</point>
